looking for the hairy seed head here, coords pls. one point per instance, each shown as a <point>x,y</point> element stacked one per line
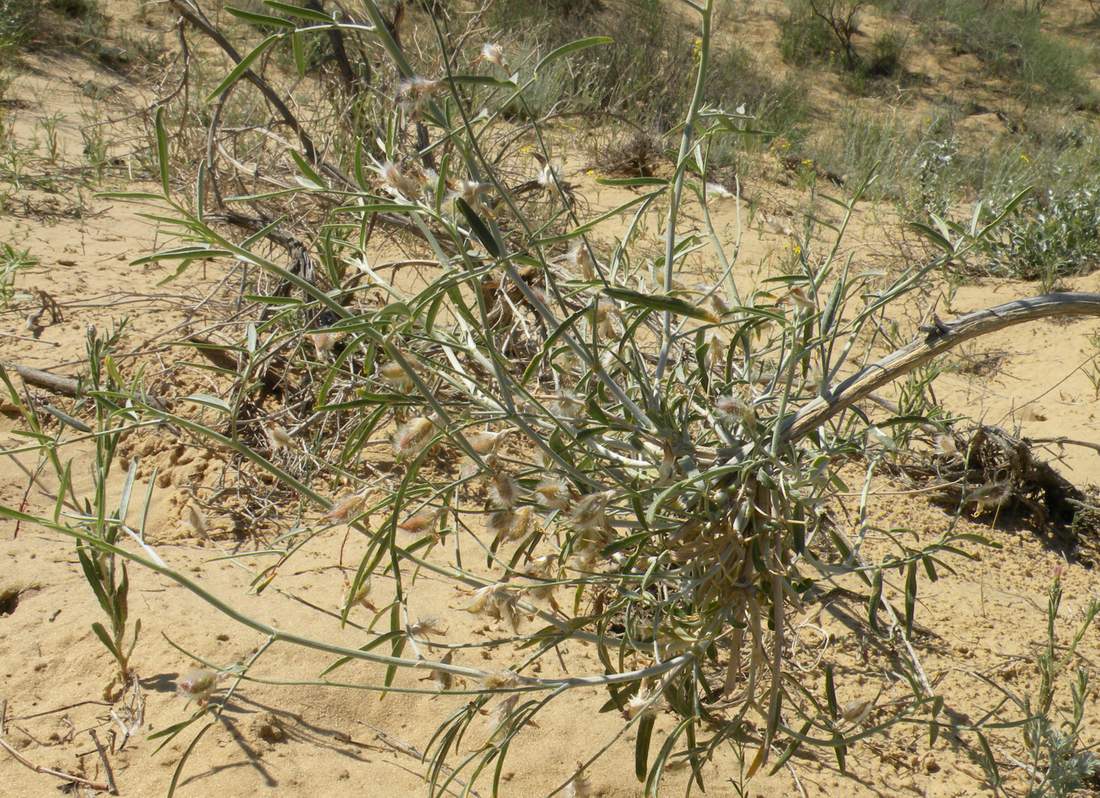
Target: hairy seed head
<point>492,53</point>
<point>733,408</point>
<point>553,493</point>
<point>424,521</point>
<point>398,181</point>
<point>500,680</point>
<point>579,786</point>
<point>521,524</point>
<point>324,342</point>
<point>503,491</point>
<point>427,625</point>
<point>589,513</point>
<point>487,442</point>
<point>278,437</point>
<point>443,679</point>
<point>197,684</point>
<point>410,439</point>
<point>498,601</point>
<point>499,523</point>
<point>346,508</point>
<point>640,704</point>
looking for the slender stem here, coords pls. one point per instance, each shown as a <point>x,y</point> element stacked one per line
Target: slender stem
<point>686,142</point>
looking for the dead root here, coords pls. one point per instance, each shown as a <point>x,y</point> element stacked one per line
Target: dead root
<point>986,471</point>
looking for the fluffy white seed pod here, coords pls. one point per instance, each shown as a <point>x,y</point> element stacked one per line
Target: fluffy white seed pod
<point>420,523</point>
<point>579,786</point>
<point>590,513</point>
<point>394,374</point>
<point>198,685</point>
<point>553,494</point>
<point>521,524</point>
<point>499,523</point>
<point>500,680</point>
<point>346,508</point>
<point>733,408</point>
<point>504,490</point>
<point>498,601</point>
<point>410,439</point>
<point>324,342</point>
<point>443,680</point>
<point>279,438</point>
<point>643,704</point>
<point>492,53</point>
<point>399,182</point>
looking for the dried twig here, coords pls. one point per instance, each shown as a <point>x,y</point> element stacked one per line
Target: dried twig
<point>69,777</point>
<point>1064,441</point>
<point>55,383</point>
<point>939,339</point>
<point>106,765</point>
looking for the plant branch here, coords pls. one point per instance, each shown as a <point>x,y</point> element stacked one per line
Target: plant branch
<point>69,777</point>
<point>940,338</point>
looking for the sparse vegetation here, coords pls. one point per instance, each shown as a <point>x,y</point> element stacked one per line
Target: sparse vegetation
<point>1010,41</point>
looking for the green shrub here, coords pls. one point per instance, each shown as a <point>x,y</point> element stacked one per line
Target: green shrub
<point>1055,234</point>
<point>18,20</point>
<point>805,38</point>
<point>887,55</point>
<point>1012,44</point>
<point>637,75</point>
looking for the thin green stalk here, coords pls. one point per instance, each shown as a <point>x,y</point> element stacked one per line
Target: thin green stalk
<point>687,139</point>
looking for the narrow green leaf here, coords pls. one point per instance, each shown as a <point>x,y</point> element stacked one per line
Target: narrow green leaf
<point>260,19</point>
<point>314,179</point>
<point>208,401</point>
<point>933,236</point>
<point>654,779</point>
<point>627,182</point>
<point>480,229</point>
<point>106,640</point>
<point>183,759</point>
<point>929,567</point>
<point>790,750</point>
<point>129,196</point>
<point>910,597</point>
<point>162,149</point>
<point>661,302</point>
<point>841,750</point>
<point>242,67</point>
<point>641,748</point>
<point>830,693</point>
<point>873,601</point>
<point>292,10</point>
<point>572,47</point>
<point>299,54</point>
<point>934,726</point>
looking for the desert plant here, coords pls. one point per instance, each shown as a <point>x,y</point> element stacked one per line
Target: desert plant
<point>887,55</point>
<point>1056,234</point>
<point>1057,765</point>
<point>1012,44</point>
<point>106,574</point>
<point>12,261</point>
<point>18,19</point>
<point>95,522</point>
<point>596,454</point>
<point>821,29</point>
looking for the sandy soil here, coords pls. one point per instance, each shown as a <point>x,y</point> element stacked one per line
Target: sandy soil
<point>985,619</point>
